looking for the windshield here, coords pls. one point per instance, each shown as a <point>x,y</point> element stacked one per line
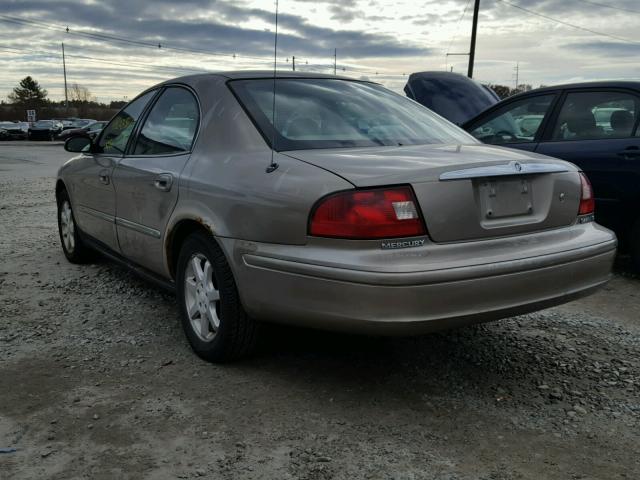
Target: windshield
<point>96,126</point>
<point>330,113</point>
<point>43,123</point>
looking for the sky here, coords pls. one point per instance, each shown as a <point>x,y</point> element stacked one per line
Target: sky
<point>117,48</point>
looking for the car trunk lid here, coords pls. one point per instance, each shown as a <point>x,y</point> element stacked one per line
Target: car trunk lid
<point>465,192</point>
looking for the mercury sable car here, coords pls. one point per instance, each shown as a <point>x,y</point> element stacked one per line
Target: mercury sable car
<point>335,204</point>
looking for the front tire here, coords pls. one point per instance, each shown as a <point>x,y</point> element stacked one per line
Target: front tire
<point>213,319</point>
<point>72,246</point>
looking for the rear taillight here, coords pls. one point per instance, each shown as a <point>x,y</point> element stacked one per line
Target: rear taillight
<point>587,202</point>
<point>367,214</point>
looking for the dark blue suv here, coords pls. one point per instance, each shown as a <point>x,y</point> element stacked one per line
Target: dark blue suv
<point>593,125</point>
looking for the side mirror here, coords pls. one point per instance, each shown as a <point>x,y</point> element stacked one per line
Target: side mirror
<point>78,143</point>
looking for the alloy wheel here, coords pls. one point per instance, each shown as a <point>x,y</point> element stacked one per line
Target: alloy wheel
<point>67,227</point>
<point>202,298</point>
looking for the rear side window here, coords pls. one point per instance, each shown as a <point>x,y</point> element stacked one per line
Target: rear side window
<point>171,125</point>
<point>517,122</point>
<point>596,115</point>
<point>116,135</point>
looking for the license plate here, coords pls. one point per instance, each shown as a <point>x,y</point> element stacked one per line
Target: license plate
<point>501,198</point>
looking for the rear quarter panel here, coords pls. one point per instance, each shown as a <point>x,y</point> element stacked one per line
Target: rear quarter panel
<point>225,185</point>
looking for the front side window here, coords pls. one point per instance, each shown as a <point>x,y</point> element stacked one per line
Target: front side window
<point>596,116</point>
<point>328,113</point>
<point>116,135</point>
<point>517,122</point>
<point>171,125</point>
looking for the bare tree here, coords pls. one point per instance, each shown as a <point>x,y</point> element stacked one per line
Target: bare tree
<point>80,94</point>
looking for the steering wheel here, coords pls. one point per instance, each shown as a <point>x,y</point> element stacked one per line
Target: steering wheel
<point>503,133</point>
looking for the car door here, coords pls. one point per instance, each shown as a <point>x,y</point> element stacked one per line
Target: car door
<point>146,179</point>
<point>92,189</point>
<point>515,124</point>
<point>597,130</point>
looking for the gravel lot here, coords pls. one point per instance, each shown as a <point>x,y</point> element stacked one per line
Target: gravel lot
<point>97,380</point>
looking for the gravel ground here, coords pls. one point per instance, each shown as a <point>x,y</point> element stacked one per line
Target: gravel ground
<point>97,380</point>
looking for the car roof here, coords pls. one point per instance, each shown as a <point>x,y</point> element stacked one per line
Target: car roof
<point>626,84</point>
<point>629,84</point>
<point>251,74</point>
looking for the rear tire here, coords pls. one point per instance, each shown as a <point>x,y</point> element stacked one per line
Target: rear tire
<point>213,319</point>
<point>72,246</point>
<point>634,246</point>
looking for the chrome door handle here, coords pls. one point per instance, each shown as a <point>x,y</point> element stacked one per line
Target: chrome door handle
<point>163,182</point>
<point>103,176</point>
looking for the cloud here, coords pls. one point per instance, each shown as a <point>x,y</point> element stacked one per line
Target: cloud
<point>606,49</point>
<point>132,19</point>
<point>389,36</point>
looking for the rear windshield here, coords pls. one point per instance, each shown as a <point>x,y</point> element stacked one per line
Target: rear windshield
<point>330,113</point>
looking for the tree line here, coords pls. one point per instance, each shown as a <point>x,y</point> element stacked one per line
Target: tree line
<point>30,95</point>
<point>503,91</point>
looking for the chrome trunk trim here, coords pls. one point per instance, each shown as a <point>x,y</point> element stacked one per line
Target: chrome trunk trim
<point>511,168</point>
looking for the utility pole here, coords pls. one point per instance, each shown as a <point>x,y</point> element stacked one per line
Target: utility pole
<point>517,76</point>
<point>474,31</point>
<point>335,60</point>
<point>293,62</point>
<point>64,69</point>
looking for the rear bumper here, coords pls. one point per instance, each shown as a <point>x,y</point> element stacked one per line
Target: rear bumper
<point>418,301</point>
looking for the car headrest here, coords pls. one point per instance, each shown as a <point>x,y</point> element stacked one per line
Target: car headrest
<point>622,120</point>
<point>581,121</point>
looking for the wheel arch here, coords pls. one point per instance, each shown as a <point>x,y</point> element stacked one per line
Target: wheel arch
<point>60,186</point>
<point>177,235</point>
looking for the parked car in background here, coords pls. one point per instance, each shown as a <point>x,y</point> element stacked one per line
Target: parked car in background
<point>82,122</point>
<point>14,130</point>
<point>451,95</point>
<point>92,129</point>
<point>45,130</point>
<point>348,207</point>
<point>66,122</point>
<point>593,125</point>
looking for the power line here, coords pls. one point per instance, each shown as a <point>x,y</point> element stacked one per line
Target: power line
<point>466,7</point>
<point>160,46</point>
<point>622,9</point>
<point>110,62</point>
<point>170,69</point>
<point>113,38</point>
<point>577,27</point>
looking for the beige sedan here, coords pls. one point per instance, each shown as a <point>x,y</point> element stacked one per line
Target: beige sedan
<point>326,202</point>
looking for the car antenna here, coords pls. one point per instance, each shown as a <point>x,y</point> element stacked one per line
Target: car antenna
<point>273,165</point>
